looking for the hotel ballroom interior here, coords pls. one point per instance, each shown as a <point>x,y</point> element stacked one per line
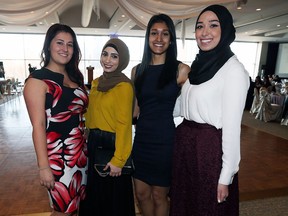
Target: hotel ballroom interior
<point>261,44</point>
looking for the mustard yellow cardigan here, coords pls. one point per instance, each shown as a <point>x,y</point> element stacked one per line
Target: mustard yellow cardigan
<point>112,111</point>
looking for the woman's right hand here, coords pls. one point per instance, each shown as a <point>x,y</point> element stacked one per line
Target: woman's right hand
<point>114,170</point>
<point>47,178</point>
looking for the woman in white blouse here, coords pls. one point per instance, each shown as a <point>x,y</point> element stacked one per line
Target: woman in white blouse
<point>207,148</point>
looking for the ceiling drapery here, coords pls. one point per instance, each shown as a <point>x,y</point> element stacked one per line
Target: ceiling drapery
<point>28,12</point>
<point>140,11</point>
<point>19,12</point>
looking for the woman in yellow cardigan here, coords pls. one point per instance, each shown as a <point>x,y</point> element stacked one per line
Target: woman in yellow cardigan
<point>110,110</point>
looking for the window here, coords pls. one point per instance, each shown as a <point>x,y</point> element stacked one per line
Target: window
<point>18,50</point>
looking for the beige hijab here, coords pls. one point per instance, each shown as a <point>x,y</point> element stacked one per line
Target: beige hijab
<point>108,80</point>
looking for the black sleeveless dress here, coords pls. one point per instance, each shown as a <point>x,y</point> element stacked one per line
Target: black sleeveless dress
<point>155,129</point>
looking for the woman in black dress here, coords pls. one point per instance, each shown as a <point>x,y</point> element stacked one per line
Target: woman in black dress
<point>158,80</point>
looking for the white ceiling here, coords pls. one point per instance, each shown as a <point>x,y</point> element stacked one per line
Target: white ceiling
<point>251,25</point>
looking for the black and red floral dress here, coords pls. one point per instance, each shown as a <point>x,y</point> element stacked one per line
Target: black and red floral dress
<point>67,148</point>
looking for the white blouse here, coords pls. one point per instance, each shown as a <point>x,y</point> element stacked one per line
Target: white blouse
<point>220,102</point>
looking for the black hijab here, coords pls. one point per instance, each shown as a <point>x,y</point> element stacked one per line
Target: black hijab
<point>207,63</point>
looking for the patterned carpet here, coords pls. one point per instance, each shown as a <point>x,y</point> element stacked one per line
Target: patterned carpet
<point>265,207</point>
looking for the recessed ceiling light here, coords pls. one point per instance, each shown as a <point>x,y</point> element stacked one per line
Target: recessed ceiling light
<point>122,15</point>
<point>278,25</point>
<point>239,8</point>
<point>258,9</point>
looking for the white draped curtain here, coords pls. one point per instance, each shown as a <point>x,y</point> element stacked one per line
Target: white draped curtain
<point>140,11</point>
<point>19,12</point>
<point>27,12</point>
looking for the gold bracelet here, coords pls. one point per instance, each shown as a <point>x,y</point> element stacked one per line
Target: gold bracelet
<point>43,168</point>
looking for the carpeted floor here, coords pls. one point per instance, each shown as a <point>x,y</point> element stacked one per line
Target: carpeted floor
<point>266,207</point>
<point>272,127</point>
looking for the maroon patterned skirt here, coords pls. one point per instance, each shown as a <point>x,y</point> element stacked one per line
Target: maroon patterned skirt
<point>197,161</point>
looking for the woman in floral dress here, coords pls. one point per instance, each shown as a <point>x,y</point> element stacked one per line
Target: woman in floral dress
<point>56,100</point>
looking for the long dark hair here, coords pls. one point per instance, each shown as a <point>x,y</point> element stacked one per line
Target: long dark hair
<point>72,66</point>
<point>169,71</point>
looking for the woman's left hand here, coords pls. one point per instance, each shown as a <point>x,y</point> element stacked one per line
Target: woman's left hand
<point>114,170</point>
<point>222,193</point>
